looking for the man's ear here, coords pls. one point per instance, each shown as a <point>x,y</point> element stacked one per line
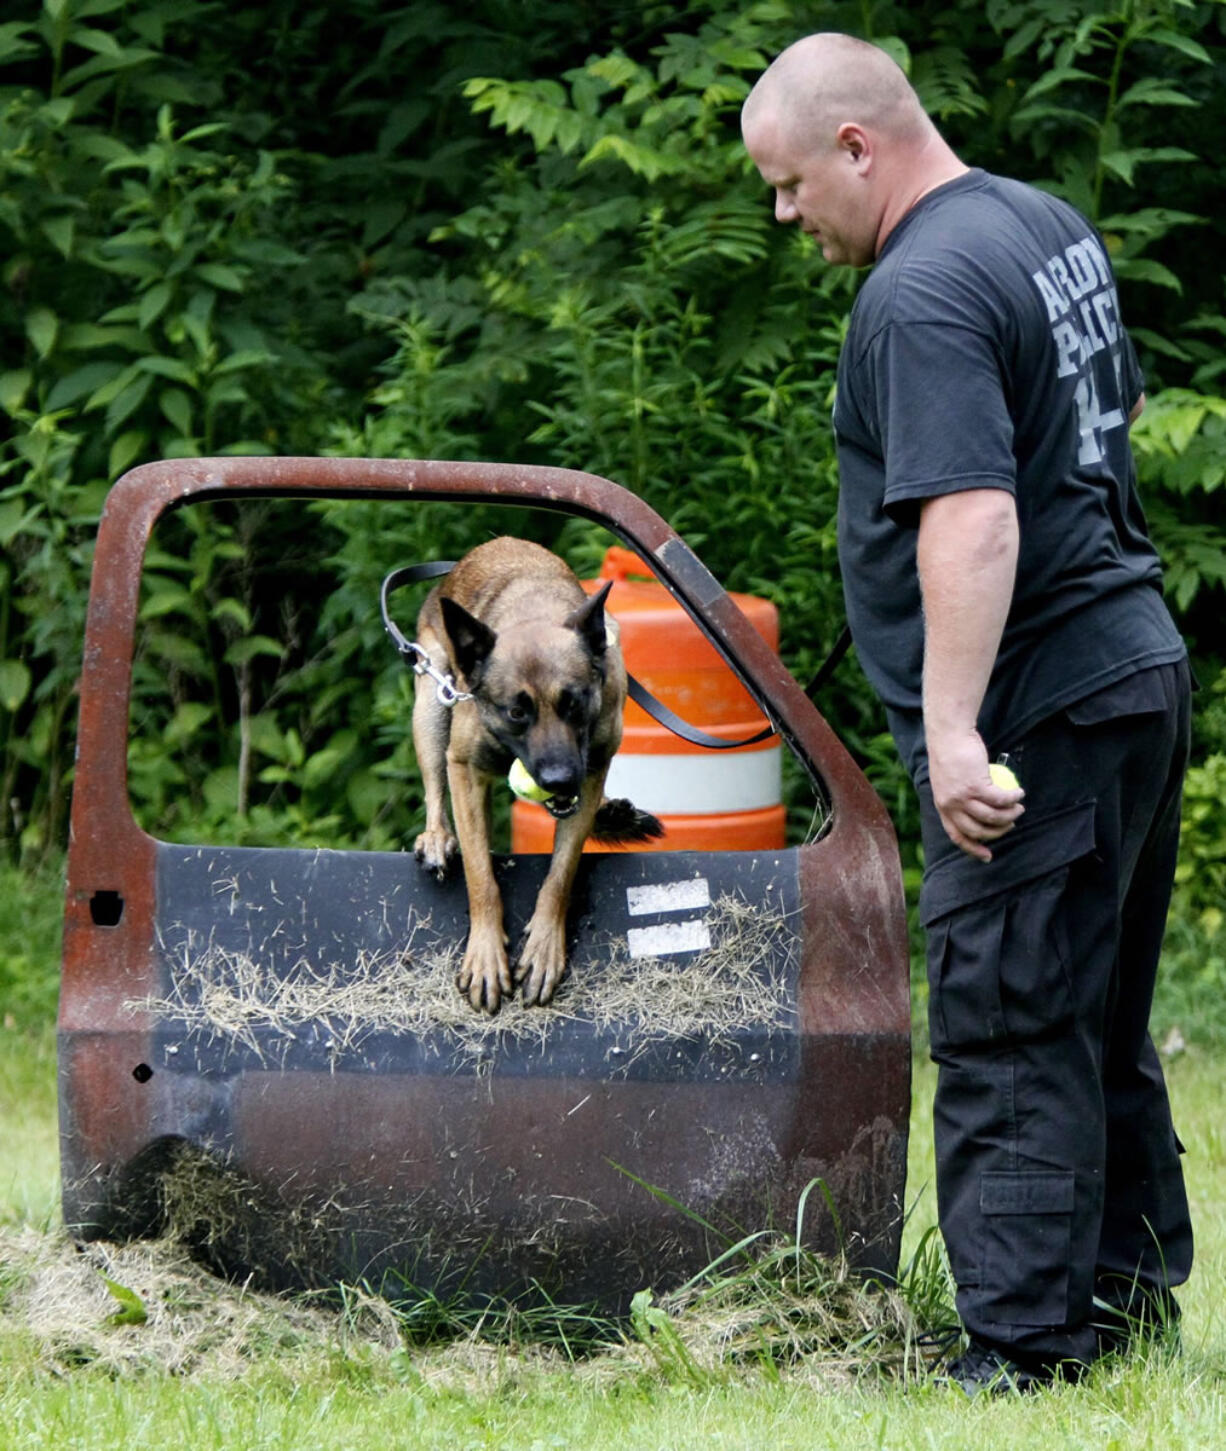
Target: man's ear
<point>588,620</point>
<point>855,141</point>
<point>471,641</point>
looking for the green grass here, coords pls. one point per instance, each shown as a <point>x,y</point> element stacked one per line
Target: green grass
<point>297,1376</point>
<point>29,1150</point>
<point>33,906</point>
<point>345,1381</point>
<point>31,913</point>
<point>349,1384</point>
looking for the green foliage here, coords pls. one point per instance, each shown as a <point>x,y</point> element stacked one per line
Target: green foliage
<point>29,946</point>
<point>771,1302</point>
<point>1112,84</point>
<point>131,1310</point>
<point>654,1329</point>
<point>663,334</point>
<point>1196,942</point>
<point>1103,70</point>
<point>1201,876</point>
<point>132,242</point>
<point>636,298</point>
<point>491,231</point>
<point>1179,442</point>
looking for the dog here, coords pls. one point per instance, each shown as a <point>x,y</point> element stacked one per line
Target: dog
<point>540,662</point>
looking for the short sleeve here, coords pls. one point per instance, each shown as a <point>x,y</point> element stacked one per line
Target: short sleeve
<point>943,412</point>
<point>1132,383</point>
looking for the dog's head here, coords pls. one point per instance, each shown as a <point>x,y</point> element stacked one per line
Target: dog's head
<point>539,690</point>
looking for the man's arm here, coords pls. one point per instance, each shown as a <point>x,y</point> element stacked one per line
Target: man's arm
<point>967,558</point>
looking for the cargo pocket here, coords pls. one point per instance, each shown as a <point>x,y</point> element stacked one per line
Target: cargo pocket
<point>1027,1232</point>
<point>998,948</point>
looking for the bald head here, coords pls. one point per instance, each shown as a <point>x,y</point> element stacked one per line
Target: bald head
<point>839,135</point>
<point>825,80</point>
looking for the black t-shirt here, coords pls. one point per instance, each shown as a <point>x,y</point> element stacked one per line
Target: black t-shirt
<point>986,351</point>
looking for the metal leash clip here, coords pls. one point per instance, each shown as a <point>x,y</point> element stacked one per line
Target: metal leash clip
<point>445,687</point>
<point>413,654</point>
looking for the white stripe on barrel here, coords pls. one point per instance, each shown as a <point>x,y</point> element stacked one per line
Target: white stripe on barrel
<point>706,785</point>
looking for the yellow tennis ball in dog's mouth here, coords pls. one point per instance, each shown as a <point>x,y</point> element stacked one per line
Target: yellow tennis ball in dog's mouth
<point>520,781</point>
<point>1003,777</point>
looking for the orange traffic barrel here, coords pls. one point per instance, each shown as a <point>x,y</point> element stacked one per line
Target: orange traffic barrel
<point>708,800</point>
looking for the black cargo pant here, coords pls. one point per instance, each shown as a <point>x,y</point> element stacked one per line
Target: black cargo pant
<point>1058,1172</point>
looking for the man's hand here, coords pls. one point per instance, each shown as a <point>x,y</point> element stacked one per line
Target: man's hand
<point>966,555</point>
<point>972,810</point>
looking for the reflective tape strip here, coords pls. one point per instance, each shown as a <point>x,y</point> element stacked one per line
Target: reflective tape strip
<point>691,935</point>
<point>708,784</point>
<point>681,896</point>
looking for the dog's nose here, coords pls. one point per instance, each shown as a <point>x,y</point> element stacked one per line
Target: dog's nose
<point>559,776</point>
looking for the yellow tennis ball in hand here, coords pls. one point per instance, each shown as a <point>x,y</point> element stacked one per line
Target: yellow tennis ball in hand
<point>520,781</point>
<point>1003,777</point>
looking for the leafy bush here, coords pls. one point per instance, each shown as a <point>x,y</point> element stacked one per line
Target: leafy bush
<point>133,243</point>
<point>30,946</point>
<point>486,231</point>
<point>636,298</point>
<point>1196,944</point>
<point>1201,877</point>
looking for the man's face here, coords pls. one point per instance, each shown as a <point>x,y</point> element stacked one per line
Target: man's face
<point>823,189</point>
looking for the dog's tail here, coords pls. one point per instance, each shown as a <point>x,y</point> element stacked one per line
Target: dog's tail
<point>619,822</point>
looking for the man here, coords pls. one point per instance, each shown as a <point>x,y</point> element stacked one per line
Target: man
<point>1004,598</point>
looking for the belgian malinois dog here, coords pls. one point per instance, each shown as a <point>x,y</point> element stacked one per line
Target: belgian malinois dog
<point>541,663</point>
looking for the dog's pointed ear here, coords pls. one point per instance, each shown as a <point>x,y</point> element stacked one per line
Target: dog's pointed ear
<point>471,641</point>
<point>588,619</point>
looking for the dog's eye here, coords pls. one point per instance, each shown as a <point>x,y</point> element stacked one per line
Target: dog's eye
<point>570,706</point>
<point>519,712</point>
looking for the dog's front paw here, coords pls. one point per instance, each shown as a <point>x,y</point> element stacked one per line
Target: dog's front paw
<point>435,849</point>
<point>485,975</point>
<point>542,960</point>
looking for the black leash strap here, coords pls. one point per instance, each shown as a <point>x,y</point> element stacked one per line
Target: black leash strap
<point>398,578</point>
<point>417,659</point>
<point>665,717</point>
<point>413,654</point>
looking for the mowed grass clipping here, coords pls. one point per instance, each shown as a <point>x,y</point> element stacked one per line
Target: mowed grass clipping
<point>740,977</point>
